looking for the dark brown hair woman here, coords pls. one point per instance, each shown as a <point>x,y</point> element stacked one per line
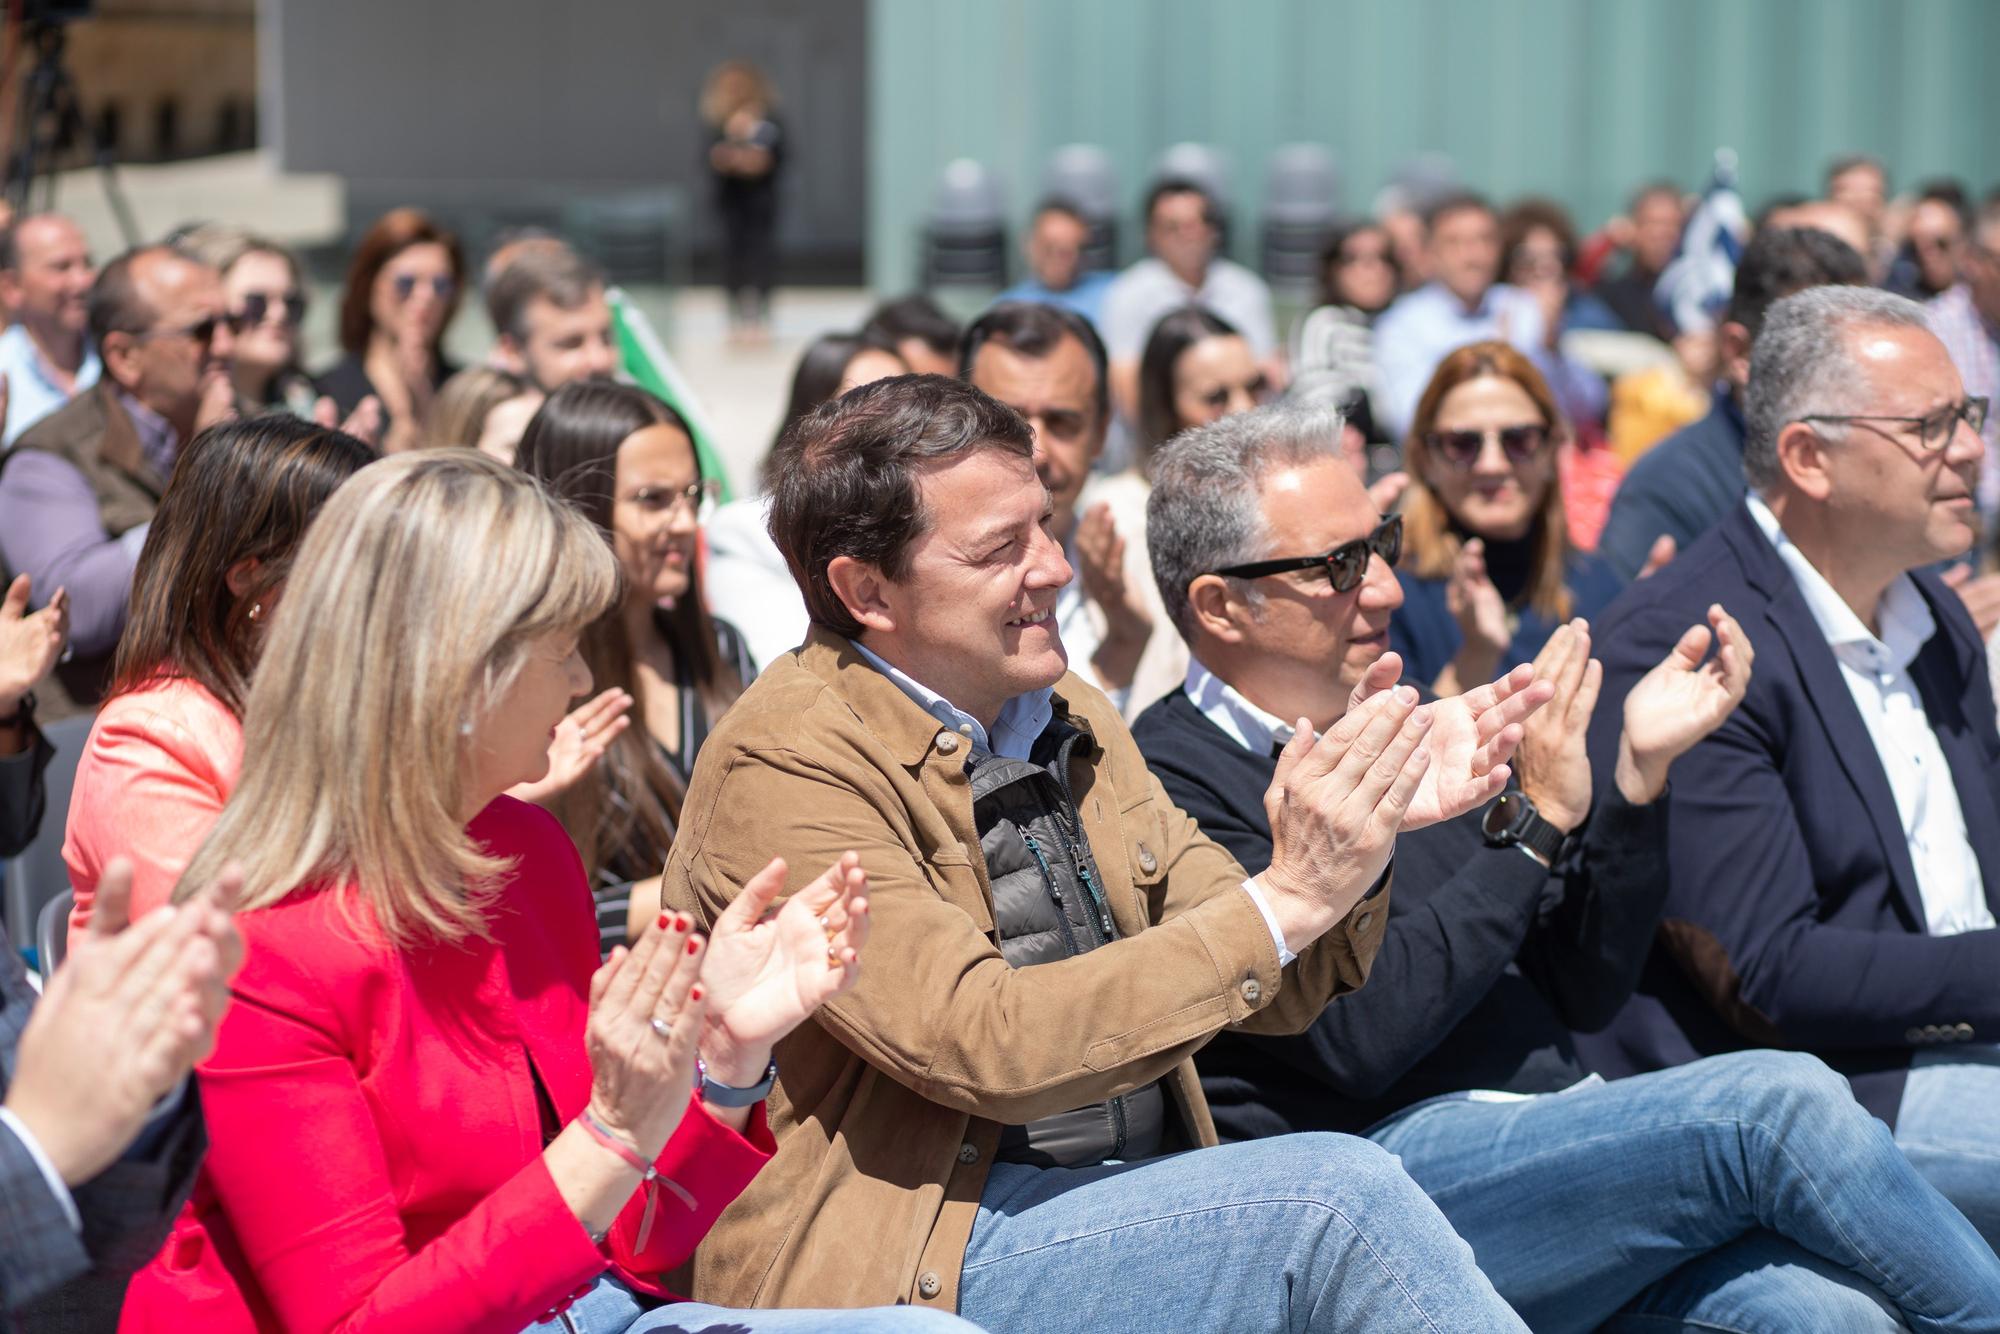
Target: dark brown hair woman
<point>403,288</point>
<point>626,460</point>
<point>1488,571</point>
<point>163,753</point>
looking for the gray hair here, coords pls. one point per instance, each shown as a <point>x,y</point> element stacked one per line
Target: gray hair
<point>1803,363</point>
<point>1204,512</point>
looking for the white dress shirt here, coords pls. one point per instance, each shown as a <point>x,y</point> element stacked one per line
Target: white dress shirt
<point>1877,672</point>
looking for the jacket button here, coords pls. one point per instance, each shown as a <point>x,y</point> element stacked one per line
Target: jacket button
<point>968,1154</point>
<point>947,743</point>
<point>1147,861</point>
<point>1913,1036</point>
<point>1252,991</point>
<point>1962,1032</point>
<point>928,1284</point>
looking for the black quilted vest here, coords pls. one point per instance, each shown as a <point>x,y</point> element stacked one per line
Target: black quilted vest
<point>1048,905</point>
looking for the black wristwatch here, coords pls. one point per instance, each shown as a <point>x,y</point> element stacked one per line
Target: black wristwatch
<point>1512,821</point>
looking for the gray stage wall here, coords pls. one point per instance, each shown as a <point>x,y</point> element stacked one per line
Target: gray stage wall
<point>505,111</point>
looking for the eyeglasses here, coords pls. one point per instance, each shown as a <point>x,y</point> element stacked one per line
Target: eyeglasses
<point>202,331</point>
<point>1346,565</point>
<point>257,307</point>
<point>1461,449</point>
<point>1934,431</point>
<point>1258,389</point>
<point>442,286</point>
<point>697,497</point>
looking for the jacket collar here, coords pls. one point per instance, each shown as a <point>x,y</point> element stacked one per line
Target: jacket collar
<point>900,723</point>
<point>120,445</point>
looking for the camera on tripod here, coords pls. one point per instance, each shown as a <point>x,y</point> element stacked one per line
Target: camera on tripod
<point>51,115</point>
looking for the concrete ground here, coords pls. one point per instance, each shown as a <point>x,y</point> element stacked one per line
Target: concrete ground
<point>742,391</point>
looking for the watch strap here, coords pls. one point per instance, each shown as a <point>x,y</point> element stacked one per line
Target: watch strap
<point>717,1094</point>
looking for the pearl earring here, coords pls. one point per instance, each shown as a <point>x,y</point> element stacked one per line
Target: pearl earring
<point>256,610</point>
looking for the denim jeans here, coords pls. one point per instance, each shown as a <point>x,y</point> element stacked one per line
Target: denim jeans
<point>612,1308</point>
<point>1745,1192</point>
<point>1949,1126</point>
<point>1296,1233</point>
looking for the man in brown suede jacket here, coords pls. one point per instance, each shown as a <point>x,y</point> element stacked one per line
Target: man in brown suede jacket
<point>998,1118</point>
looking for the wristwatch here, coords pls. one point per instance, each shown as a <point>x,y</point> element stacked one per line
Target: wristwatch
<point>728,1095</point>
<point>1513,822</point>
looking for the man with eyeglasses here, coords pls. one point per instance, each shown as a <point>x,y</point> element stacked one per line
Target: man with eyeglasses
<point>1967,318</point>
<point>1833,852</point>
<point>1584,1202</point>
<point>78,489</point>
<point>46,356</point>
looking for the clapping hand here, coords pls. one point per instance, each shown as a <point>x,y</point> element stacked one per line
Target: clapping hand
<point>1473,735</point>
<point>767,971</point>
<point>1554,759</point>
<point>30,642</point>
<point>123,1021</point>
<point>646,1017</point>
<point>1681,701</point>
<point>1481,613</point>
<point>581,740</point>
<point>1100,552</point>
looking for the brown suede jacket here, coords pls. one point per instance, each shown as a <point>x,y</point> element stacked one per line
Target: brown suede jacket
<point>891,1099</point>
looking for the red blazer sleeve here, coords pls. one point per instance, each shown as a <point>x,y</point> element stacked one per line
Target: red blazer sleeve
<point>704,1167</point>
<point>317,1217</point>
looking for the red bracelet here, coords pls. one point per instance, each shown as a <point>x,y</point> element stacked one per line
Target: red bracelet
<point>598,1131</point>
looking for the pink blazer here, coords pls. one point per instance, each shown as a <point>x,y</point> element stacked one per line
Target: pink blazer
<point>375,1141</point>
<point>153,776</point>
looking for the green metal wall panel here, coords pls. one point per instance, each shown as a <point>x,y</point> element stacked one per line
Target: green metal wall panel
<point>1579,99</point>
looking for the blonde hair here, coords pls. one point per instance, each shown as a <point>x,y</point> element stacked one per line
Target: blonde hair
<point>406,617</point>
<point>458,414</point>
<point>1430,542</point>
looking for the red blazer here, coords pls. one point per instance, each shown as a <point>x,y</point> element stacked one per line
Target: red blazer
<point>375,1159</point>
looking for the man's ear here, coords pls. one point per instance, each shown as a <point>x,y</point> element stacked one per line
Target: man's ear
<point>509,355</point>
<point>1802,460</point>
<point>863,591</point>
<point>1219,608</point>
<point>120,357</point>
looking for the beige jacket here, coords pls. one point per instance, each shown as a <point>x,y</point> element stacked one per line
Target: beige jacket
<point>891,1100</point>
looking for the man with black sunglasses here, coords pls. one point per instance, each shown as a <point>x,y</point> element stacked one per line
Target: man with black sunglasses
<point>1581,1200</point>
<point>78,489</point>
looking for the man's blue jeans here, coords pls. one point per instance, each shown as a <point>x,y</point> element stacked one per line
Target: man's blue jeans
<point>1297,1233</point>
<point>1747,1192</point>
<point>612,1308</point>
<point>1949,1126</point>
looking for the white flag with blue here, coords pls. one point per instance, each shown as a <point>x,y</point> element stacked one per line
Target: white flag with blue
<point>1695,287</point>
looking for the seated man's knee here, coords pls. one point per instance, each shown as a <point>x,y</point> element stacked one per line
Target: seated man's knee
<point>1341,1169</point>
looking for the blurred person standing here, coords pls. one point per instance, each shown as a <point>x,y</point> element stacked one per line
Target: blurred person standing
<point>1927,263</point>
<point>1860,182</point>
<point>1333,348</point>
<point>403,287</point>
<point>1465,302</point>
<point>1054,251</point>
<point>78,490</point>
<point>1686,483</point>
<point>46,355</point>
<point>552,317</point>
<point>746,152</point>
<point>264,291</point>
<point>1182,268</point>
<point>1649,233</point>
<point>746,576</point>
<point>486,409</point>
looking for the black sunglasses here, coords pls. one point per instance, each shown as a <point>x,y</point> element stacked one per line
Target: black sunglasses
<point>442,286</point>
<point>1346,565</point>
<point>1461,449</point>
<point>202,331</point>
<point>257,307</point>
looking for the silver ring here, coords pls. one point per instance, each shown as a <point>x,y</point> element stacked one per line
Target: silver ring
<point>662,1027</point>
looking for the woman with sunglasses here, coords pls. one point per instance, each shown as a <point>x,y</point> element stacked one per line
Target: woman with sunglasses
<point>626,460</point>
<point>263,297</point>
<point>402,290</point>
<point>1488,571</point>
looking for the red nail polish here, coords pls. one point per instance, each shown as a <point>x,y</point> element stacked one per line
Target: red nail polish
<point>694,993</point>
<point>693,945</point>
<point>683,923</point>
<point>666,920</point>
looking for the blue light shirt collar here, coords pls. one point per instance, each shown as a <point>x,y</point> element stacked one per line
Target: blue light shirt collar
<point>1022,719</point>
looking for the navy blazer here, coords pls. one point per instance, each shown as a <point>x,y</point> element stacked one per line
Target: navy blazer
<point>1793,917</point>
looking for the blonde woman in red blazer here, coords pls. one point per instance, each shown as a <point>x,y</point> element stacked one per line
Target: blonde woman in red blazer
<point>429,1109</point>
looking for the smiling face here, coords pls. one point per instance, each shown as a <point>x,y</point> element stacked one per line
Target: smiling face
<point>1908,505</point>
<point>413,292</point>
<point>653,527</point>
<point>1057,393</point>
<point>50,288</point>
<point>261,283</point>
<point>1055,249</point>
<point>1214,378</point>
<point>1495,497</point>
<point>1465,252</point>
<point>973,616</point>
<point>562,345</point>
